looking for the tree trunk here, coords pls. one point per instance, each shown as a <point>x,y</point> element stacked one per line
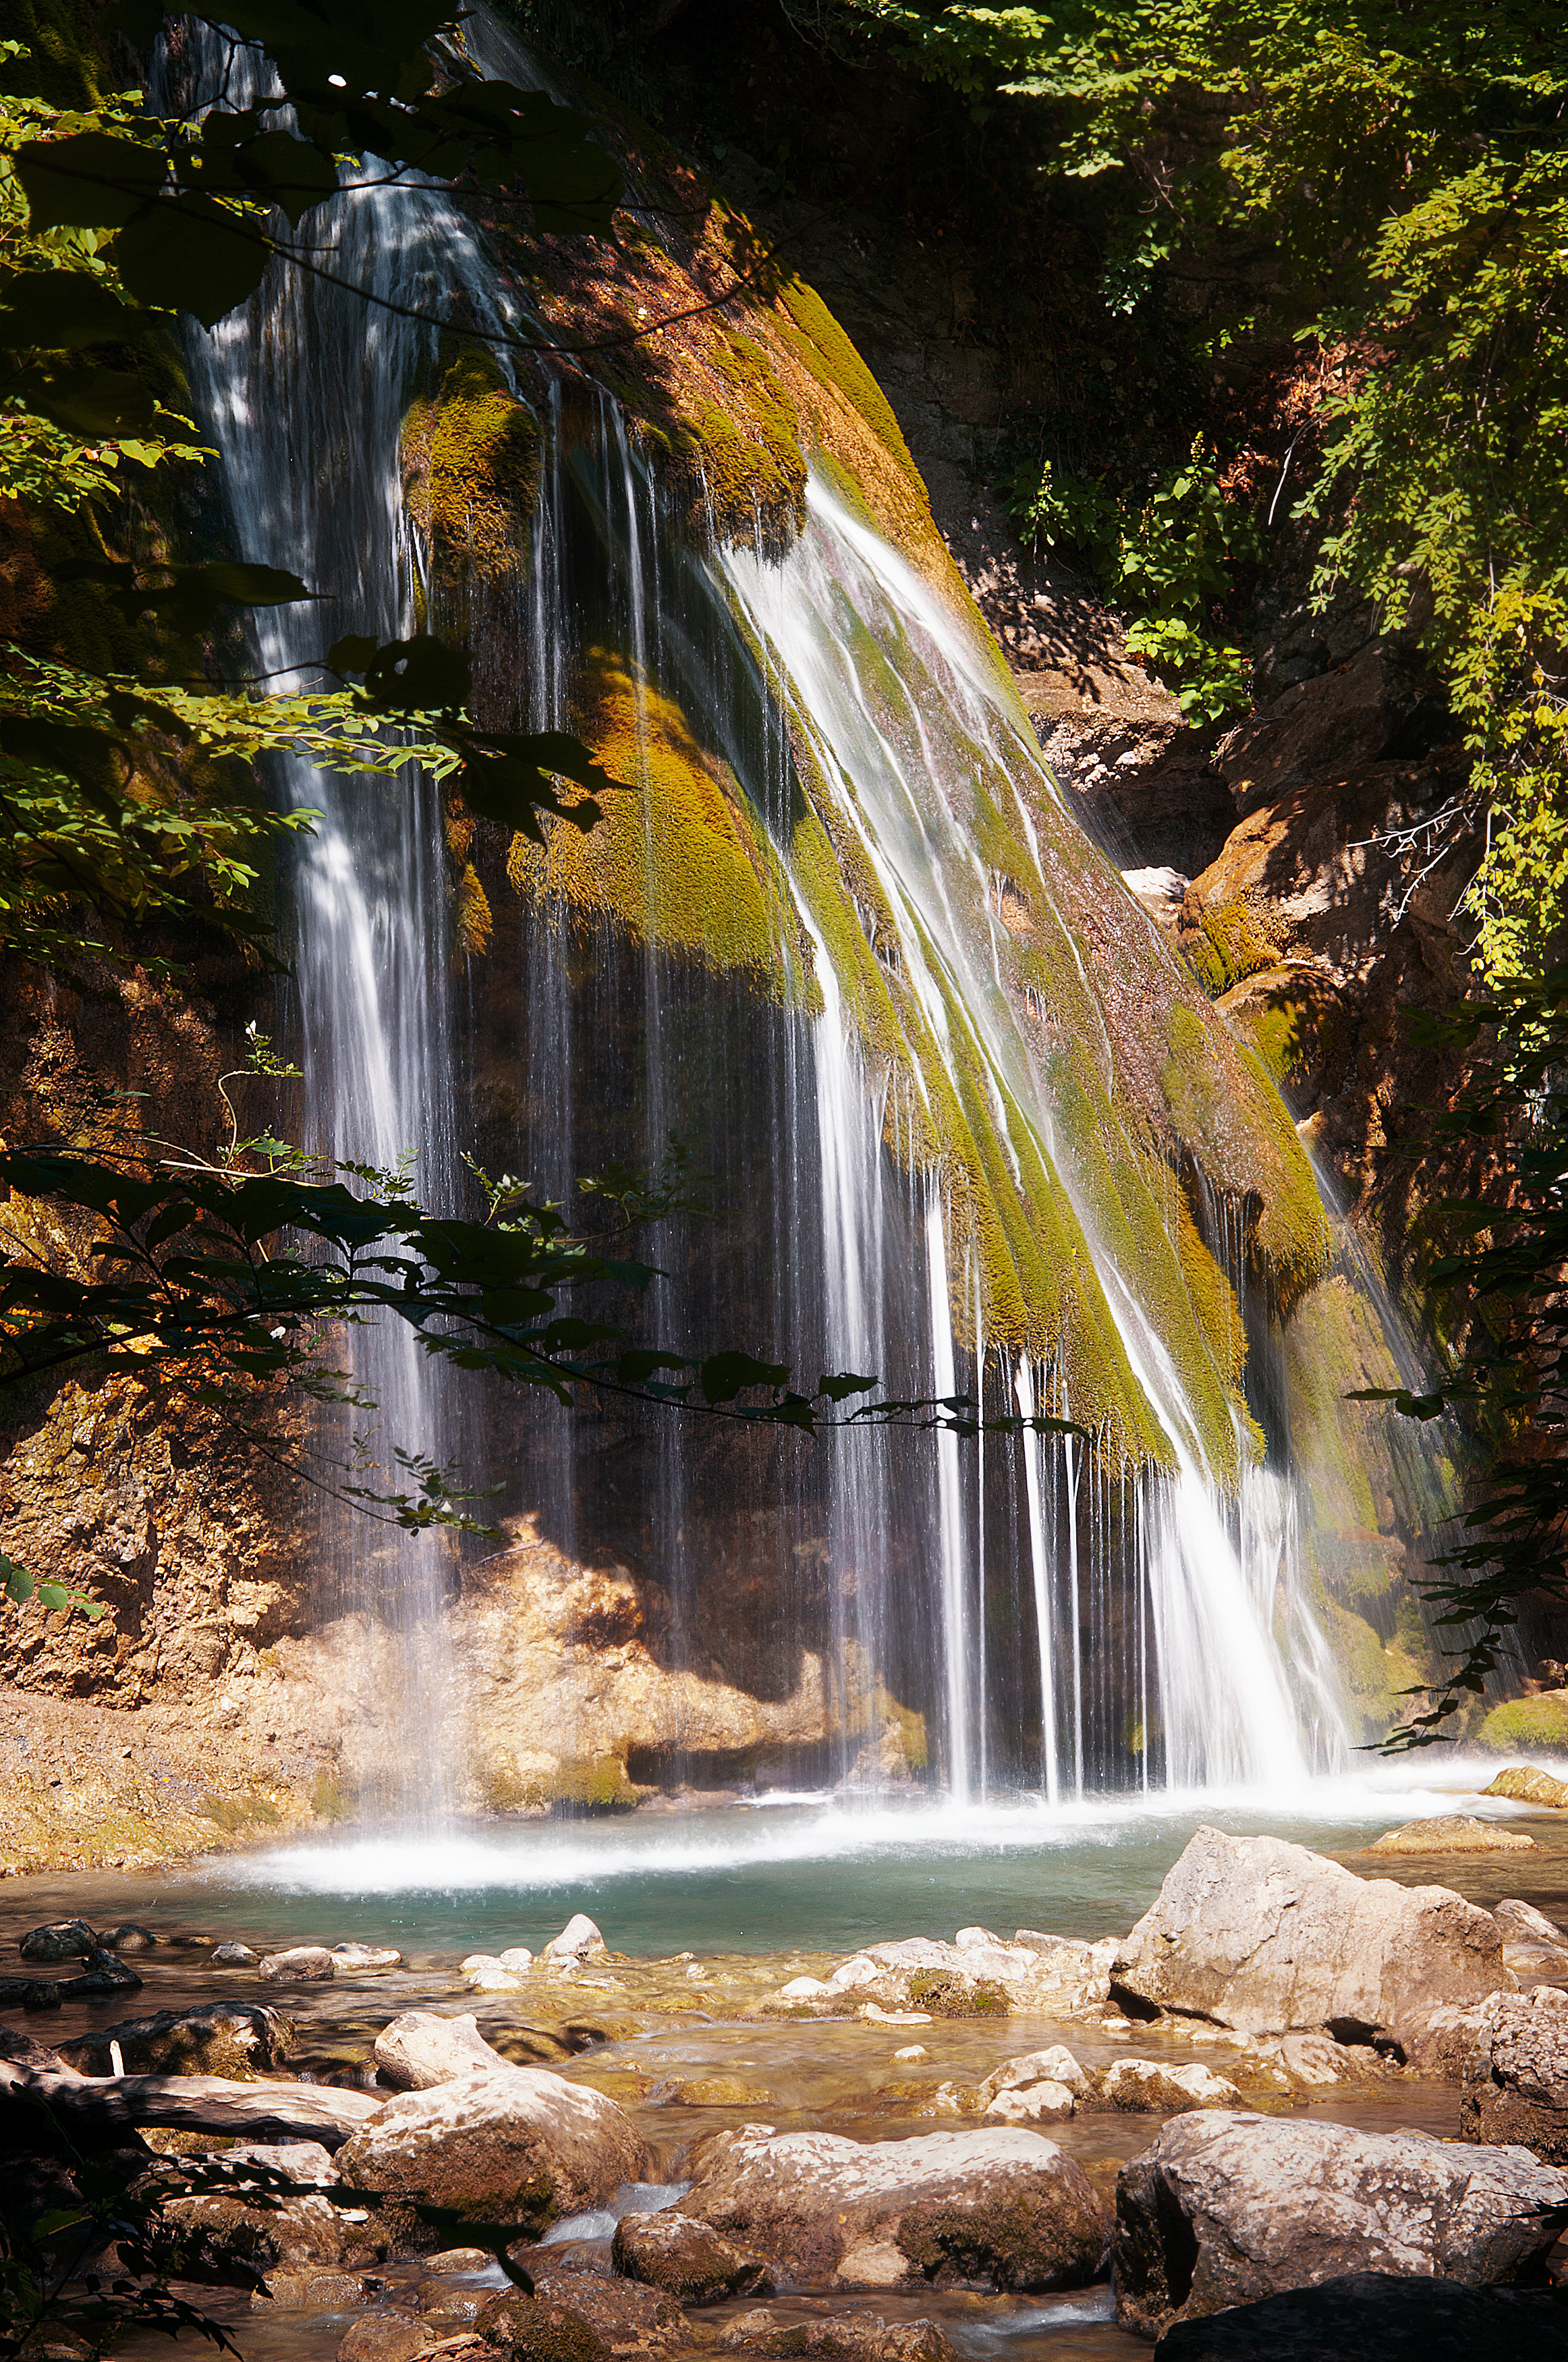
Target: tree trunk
<point>97,2105</point>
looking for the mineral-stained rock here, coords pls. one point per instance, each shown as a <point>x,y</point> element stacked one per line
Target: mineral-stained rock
<point>103,1973</point>
<point>235,1956</point>
<point>1375,2317</point>
<point>1045,2101</point>
<point>388,2336</point>
<point>837,2337</point>
<point>1148,2087</point>
<point>520,2146</point>
<point>977,1975</point>
<point>1516,2075</point>
<point>130,1937</point>
<point>313,2291</point>
<point>1526,1785</point>
<point>999,2208</point>
<point>225,2238</point>
<point>305,1964</point>
<point>689,2260</point>
<point>1271,1938</point>
<point>706,2091</point>
<point>630,2317</point>
<point>1521,1923</point>
<point>1453,1833</point>
<point>1227,2207</point>
<point>536,2329</point>
<point>232,2038</point>
<point>62,1939</point>
<point>1056,2065</point>
<point>422,2048</point>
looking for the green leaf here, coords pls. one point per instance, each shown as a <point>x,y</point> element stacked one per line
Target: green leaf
<point>56,310</point>
<point>88,182</point>
<point>191,254</point>
<point>18,1584</point>
<point>722,1376</point>
<point>88,402</point>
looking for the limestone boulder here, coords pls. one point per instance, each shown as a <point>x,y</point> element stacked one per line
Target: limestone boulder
<point>422,2049</point>
<point>1453,1833</point>
<point>1534,1946</point>
<point>236,2040</point>
<point>387,2335</point>
<point>840,2337</point>
<point>536,2329</point>
<point>1271,1938</point>
<point>303,1964</point>
<point>1514,2074</point>
<point>1526,1784</point>
<point>689,2260</point>
<point>632,2318</point>
<point>523,2146</point>
<point>579,1939</point>
<point>978,1974</point>
<point>1227,2207</point>
<point>1378,2317</point>
<point>999,2208</point>
<point>363,1959</point>
<point>251,2229</point>
<point>1144,2086</point>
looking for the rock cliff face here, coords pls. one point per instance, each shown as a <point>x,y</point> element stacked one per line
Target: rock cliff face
<point>574,1678</point>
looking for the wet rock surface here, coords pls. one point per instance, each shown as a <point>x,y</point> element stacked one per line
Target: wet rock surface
<point>1376,2317</point>
<point>688,2259</point>
<point>1226,2207</point>
<point>1516,2074</point>
<point>1003,2208</point>
<point>847,2337</point>
<point>423,2048</point>
<point>230,2039</point>
<point>1271,1938</point>
<point>523,2145</point>
<point>1453,1833</point>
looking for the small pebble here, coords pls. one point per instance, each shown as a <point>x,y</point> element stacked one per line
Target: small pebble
<point>916,2050</point>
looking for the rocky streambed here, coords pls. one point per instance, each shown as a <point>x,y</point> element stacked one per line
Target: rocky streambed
<point>984,2144</point>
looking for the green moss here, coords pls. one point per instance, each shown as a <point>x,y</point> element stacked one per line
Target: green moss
<point>944,1994</point>
<point>1226,945</point>
<point>1538,1724</point>
<point>470,464</point>
<point>330,1800</point>
<point>680,862</point>
<point>238,1814</point>
<point>733,467</point>
<point>830,355</point>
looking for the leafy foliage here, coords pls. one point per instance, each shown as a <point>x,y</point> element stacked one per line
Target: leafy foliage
<point>1390,182</point>
<point>1164,555</point>
<point>222,1281</point>
<point>1503,1279</point>
<point>141,807</point>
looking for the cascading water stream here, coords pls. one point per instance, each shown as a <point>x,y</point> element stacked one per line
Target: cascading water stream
<point>303,394</point>
<point>1117,1625</point>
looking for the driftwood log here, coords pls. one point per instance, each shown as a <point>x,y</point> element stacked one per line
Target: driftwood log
<point>97,2107</point>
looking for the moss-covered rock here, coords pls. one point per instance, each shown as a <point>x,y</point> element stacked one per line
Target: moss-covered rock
<point>1539,1723</point>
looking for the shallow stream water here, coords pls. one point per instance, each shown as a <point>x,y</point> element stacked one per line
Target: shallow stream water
<point>707,1911</point>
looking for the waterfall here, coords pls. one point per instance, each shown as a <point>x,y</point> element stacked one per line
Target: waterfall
<point>1126,1604</point>
<point>302,393</point>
